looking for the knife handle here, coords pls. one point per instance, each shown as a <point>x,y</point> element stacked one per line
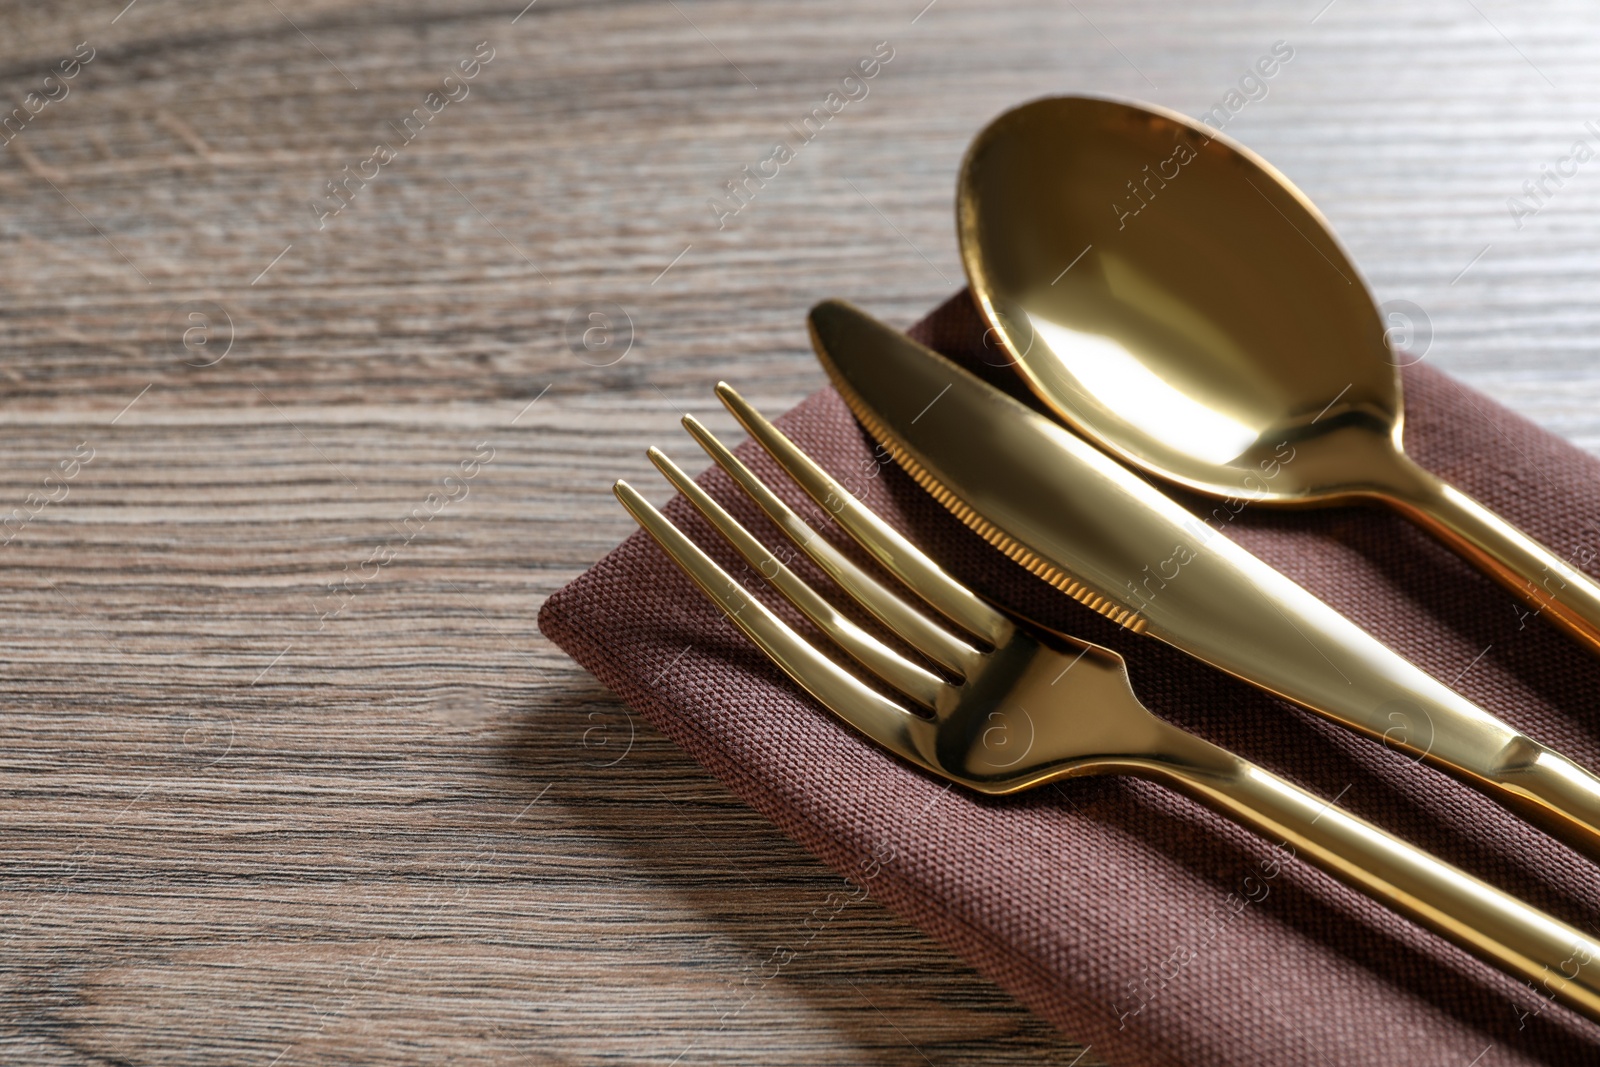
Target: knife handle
<point>1498,928</point>
<point>1549,585</point>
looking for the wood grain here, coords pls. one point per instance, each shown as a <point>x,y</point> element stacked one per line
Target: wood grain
<point>249,820</point>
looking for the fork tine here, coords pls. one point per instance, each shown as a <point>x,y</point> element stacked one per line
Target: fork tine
<point>896,728</point>
<point>900,557</point>
<point>913,681</point>
<point>911,625</point>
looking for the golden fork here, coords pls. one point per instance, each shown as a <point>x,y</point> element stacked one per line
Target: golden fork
<point>1031,706</point>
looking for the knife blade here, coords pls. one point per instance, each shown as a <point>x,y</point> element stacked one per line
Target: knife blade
<point>1094,529</point>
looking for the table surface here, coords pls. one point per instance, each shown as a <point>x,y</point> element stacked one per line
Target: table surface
<point>299,431</point>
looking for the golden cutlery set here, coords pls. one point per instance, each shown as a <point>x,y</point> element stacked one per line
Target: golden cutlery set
<point>1217,338</point>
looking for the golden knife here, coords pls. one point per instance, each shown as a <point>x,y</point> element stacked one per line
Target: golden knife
<point>1095,530</point>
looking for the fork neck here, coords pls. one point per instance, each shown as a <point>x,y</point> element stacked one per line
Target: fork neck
<point>1233,786</point>
<point>1176,757</point>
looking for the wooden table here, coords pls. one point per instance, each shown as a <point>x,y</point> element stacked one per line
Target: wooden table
<point>288,775</point>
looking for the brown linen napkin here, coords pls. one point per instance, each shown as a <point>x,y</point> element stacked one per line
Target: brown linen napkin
<point>1133,919</point>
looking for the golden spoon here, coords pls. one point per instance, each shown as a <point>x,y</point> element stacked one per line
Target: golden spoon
<point>1176,300</point>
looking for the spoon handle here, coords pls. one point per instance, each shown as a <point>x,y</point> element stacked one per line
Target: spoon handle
<point>1551,586</point>
<point>1559,961</point>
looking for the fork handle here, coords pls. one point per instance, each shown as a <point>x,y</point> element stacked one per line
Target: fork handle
<point>1491,924</point>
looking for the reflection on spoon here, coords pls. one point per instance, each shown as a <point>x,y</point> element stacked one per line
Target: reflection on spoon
<point>1115,378</point>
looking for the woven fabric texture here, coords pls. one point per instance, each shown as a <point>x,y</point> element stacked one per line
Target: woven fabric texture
<point>1135,920</point>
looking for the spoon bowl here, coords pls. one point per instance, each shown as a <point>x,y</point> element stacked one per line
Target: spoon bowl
<point>1173,298</point>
